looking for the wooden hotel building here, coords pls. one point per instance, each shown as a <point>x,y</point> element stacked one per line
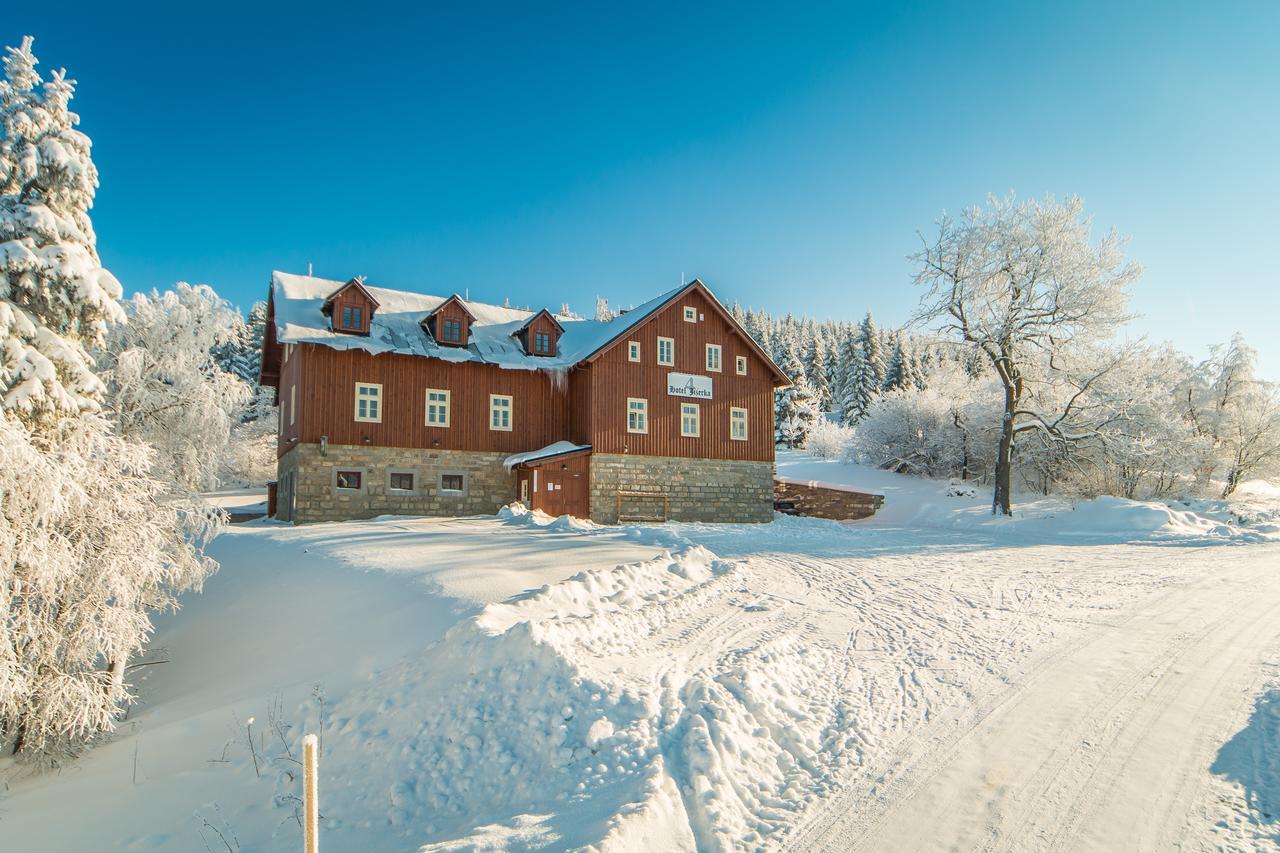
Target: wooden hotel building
<point>399,402</point>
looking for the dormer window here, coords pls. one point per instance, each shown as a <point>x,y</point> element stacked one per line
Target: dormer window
<point>450,323</point>
<point>540,334</point>
<point>350,308</point>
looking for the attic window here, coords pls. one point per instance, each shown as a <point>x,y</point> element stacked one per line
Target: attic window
<point>690,314</point>
<point>351,317</point>
<point>452,331</point>
<point>542,343</point>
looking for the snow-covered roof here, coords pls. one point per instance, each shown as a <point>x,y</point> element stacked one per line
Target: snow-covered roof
<point>396,325</point>
<point>558,448</point>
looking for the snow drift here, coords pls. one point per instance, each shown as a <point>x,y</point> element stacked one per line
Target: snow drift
<point>538,705</point>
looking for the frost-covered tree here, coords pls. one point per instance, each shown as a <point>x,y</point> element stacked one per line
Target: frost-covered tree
<point>86,549</point>
<point>946,430</point>
<point>797,407</point>
<point>1234,416</point>
<point>165,387</point>
<point>1023,283</point>
<point>55,297</point>
<point>603,312</point>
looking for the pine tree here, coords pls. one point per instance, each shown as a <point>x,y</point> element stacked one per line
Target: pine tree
<point>57,298</point>
<point>816,372</point>
<point>873,351</point>
<point>893,376</point>
<point>797,407</point>
<point>860,393</point>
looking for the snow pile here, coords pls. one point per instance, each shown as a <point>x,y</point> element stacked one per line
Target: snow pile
<point>549,718</point>
<point>916,502</point>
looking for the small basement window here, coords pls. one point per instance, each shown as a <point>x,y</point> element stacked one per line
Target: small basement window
<point>348,480</point>
<point>401,481</point>
<point>455,484</point>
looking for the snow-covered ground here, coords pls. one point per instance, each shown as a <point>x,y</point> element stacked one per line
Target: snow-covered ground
<point>1102,675</point>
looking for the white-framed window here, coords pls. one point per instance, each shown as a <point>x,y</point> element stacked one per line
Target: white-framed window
<point>633,350</point>
<point>437,407</point>
<point>637,414</point>
<point>369,402</point>
<point>740,364</point>
<point>500,412</point>
<point>690,314</point>
<point>737,424</point>
<point>293,403</point>
<point>713,357</point>
<point>690,420</point>
<point>667,351</point>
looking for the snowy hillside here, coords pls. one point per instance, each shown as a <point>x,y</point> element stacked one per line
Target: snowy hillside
<point>536,683</point>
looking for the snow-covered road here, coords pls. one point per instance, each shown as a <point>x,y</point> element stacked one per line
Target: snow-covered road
<point>1105,744</point>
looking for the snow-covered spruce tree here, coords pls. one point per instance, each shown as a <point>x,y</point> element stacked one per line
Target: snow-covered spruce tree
<point>873,352</point>
<point>817,370</point>
<point>797,408</point>
<point>165,387</point>
<point>56,295</point>
<point>86,550</point>
<point>1022,282</point>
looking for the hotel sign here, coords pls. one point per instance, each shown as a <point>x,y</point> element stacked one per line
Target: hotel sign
<point>688,385</point>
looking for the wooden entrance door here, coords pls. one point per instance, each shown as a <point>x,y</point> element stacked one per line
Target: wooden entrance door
<point>562,487</point>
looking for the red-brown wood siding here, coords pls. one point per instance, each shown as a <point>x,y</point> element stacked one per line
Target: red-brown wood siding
<point>613,379</point>
<point>539,410</point>
<point>290,376</point>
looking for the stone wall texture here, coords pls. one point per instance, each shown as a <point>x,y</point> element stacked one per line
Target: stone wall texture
<point>488,485</point>
<point>712,490</point>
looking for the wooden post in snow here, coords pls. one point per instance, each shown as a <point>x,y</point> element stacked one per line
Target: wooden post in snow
<point>310,794</point>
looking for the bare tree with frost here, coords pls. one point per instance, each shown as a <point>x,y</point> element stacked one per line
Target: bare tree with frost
<point>1022,282</point>
<point>86,548</point>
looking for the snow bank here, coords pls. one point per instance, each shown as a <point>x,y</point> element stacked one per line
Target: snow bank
<point>551,706</point>
<point>919,503</point>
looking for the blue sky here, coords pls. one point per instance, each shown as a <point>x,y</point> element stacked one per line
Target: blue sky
<point>550,154</point>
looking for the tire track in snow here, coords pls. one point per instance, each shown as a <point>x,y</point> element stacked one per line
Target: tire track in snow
<point>857,820</point>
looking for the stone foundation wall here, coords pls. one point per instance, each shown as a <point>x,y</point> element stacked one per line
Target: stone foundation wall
<point>487,486</point>
<point>712,490</point>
